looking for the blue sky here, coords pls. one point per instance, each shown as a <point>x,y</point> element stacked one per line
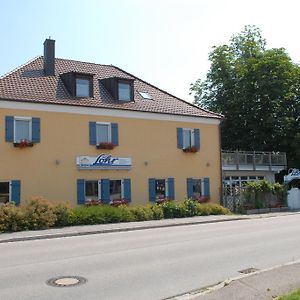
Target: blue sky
<point>165,42</point>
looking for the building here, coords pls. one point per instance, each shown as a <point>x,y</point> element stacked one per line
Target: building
<point>76,131</point>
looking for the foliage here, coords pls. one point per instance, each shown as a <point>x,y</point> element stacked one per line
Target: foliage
<point>262,194</point>
<point>257,89</point>
<point>295,295</point>
<point>38,213</point>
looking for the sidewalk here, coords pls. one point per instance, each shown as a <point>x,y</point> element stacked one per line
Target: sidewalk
<point>263,285</point>
<point>119,227</point>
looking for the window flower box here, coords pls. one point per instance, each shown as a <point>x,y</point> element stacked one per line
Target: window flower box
<point>118,202</point>
<point>104,145</point>
<point>23,144</point>
<point>191,149</point>
<point>202,199</point>
<point>93,202</point>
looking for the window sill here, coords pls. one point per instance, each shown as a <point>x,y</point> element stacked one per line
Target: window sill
<point>192,149</point>
<point>23,144</point>
<point>107,146</point>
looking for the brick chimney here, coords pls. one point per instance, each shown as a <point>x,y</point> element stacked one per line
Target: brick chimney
<point>49,57</point>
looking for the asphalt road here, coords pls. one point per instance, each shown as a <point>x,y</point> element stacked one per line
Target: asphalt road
<point>146,264</point>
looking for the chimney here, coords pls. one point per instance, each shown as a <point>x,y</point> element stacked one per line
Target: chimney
<point>49,57</point>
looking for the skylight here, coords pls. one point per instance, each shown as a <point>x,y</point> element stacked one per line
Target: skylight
<point>145,95</point>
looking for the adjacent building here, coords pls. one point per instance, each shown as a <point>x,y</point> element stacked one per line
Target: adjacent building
<point>77,131</point>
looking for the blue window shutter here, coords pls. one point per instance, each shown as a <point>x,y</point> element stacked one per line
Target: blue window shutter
<point>152,195</point>
<point>189,185</point>
<point>105,192</point>
<point>206,187</point>
<point>197,138</point>
<point>9,129</point>
<point>16,191</point>
<point>114,134</point>
<point>127,189</point>
<point>80,191</point>
<point>36,128</point>
<point>179,138</point>
<point>92,133</point>
<point>171,189</point>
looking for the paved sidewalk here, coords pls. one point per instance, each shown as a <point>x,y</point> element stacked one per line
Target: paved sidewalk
<point>119,227</point>
<point>263,285</point>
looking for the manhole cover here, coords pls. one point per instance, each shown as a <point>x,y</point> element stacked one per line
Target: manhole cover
<point>66,281</point>
<point>249,270</point>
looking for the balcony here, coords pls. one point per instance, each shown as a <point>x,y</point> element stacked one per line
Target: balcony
<point>253,161</point>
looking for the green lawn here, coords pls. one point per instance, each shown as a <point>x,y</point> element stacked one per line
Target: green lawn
<point>292,296</point>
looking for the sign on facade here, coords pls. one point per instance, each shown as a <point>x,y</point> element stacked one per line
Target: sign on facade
<point>103,162</point>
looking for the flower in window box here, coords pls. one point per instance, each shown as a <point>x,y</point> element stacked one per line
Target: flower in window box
<point>202,199</point>
<point>93,202</point>
<point>161,200</point>
<point>191,149</point>
<point>23,144</point>
<point>118,202</point>
<point>105,145</point>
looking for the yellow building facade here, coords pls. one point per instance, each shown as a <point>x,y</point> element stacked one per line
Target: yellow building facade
<point>55,146</point>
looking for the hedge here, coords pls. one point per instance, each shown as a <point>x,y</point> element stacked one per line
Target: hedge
<point>38,213</point>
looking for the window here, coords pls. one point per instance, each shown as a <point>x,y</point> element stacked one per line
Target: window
<point>92,190</point>
<point>124,91</point>
<point>4,192</point>
<point>115,190</point>
<point>197,188</point>
<point>160,189</point>
<point>145,95</point>
<point>103,133</point>
<point>188,138</point>
<point>22,129</point>
<point>82,87</point>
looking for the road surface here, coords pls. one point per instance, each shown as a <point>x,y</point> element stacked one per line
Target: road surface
<point>146,264</point>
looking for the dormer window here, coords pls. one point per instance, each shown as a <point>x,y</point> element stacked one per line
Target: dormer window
<point>121,89</point>
<point>78,84</point>
<point>82,87</point>
<point>124,91</point>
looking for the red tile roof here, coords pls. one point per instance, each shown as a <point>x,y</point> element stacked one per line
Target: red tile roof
<point>29,84</point>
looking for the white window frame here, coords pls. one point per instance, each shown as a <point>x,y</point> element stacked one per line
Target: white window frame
<point>9,188</point>
<point>166,186</point>
<point>16,118</point>
<point>192,137</point>
<point>109,131</point>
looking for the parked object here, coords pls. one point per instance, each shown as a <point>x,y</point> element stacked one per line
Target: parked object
<point>294,198</point>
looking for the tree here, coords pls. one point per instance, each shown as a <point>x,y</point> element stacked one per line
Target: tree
<point>258,91</point>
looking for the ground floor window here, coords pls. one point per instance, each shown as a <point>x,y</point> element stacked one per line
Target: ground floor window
<point>198,187</point>
<point>4,192</point>
<point>161,188</point>
<point>115,190</point>
<point>106,190</point>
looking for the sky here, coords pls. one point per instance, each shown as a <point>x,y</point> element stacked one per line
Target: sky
<point>164,42</point>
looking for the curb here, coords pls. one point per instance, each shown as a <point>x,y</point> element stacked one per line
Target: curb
<point>71,234</point>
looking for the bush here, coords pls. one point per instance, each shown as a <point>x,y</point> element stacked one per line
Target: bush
<point>142,213</point>
<point>62,213</point>
<point>11,218</point>
<point>38,213</point>
<point>86,215</point>
<point>157,210</point>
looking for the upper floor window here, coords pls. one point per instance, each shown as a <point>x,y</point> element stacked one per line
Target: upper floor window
<point>145,95</point>
<point>124,91</point>
<point>188,139</point>
<point>83,87</point>
<point>106,134</point>
<point>103,133</point>
<point>22,129</point>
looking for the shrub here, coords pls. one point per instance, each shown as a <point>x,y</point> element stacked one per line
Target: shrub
<point>38,213</point>
<point>170,209</point>
<point>62,213</point>
<point>191,207</point>
<point>86,215</point>
<point>11,218</point>
<point>157,210</point>
<point>142,213</point>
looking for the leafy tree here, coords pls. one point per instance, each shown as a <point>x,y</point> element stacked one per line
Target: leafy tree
<point>258,91</point>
